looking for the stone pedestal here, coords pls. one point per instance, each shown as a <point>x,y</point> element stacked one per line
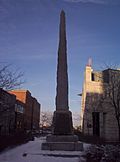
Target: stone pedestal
<point>62,142</point>
<point>64,146</point>
<point>62,123</point>
<point>62,138</point>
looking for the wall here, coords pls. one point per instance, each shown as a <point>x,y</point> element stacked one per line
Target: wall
<point>7,112</point>
<point>92,101</point>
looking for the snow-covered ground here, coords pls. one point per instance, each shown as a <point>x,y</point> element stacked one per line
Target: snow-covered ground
<point>31,152</point>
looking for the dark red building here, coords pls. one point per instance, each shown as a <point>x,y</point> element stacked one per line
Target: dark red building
<point>31,109</point>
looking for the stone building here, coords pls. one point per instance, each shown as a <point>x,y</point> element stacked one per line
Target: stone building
<point>97,112</point>
<point>31,108</point>
<point>7,112</point>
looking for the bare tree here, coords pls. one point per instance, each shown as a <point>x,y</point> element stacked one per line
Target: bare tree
<point>112,94</point>
<point>76,120</point>
<point>10,79</point>
<point>46,119</point>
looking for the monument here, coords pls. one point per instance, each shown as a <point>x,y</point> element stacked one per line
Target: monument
<point>62,137</point>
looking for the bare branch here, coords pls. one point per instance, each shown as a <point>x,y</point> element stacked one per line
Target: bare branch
<point>46,118</point>
<point>10,79</point>
<point>112,91</point>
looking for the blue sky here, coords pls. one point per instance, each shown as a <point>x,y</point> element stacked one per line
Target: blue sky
<point>29,31</point>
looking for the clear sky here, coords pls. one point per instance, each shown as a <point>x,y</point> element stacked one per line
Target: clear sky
<point>29,31</point>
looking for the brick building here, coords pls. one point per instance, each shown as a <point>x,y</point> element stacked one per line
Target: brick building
<point>36,114</point>
<point>31,108</point>
<point>7,112</point>
<point>19,116</point>
<point>98,115</point>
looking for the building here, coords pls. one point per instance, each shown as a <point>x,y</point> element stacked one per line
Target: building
<point>19,116</point>
<point>7,112</point>
<point>36,114</point>
<point>31,108</point>
<point>97,111</point>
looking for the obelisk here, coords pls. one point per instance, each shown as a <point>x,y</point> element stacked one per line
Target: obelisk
<point>62,74</point>
<point>62,121</point>
<point>62,137</point>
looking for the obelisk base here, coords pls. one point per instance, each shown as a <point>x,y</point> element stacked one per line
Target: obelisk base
<point>62,123</point>
<point>62,137</point>
<point>63,146</point>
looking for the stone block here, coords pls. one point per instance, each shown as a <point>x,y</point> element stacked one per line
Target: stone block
<point>62,138</point>
<point>62,123</point>
<point>78,146</point>
<point>64,146</point>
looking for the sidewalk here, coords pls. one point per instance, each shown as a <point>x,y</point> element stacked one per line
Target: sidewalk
<point>31,152</point>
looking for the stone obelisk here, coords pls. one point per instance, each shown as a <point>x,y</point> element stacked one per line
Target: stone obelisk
<point>62,121</point>
<point>62,137</point>
<point>62,74</point>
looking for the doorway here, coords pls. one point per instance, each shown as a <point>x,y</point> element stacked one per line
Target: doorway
<point>96,123</point>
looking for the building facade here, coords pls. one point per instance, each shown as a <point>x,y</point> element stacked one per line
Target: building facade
<point>31,108</point>
<point>7,112</point>
<point>35,114</point>
<point>97,111</point>
<point>19,116</point>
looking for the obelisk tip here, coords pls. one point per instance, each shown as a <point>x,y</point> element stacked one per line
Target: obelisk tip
<point>62,12</point>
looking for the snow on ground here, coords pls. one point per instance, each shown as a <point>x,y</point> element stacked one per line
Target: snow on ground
<point>31,152</point>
